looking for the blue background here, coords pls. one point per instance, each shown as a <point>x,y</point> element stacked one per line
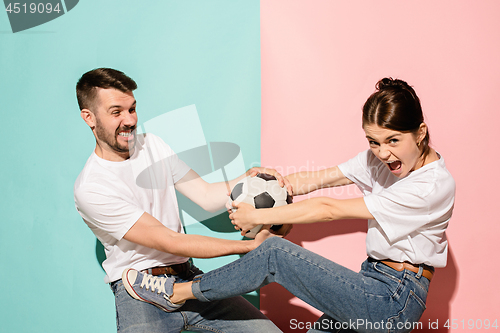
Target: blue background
<point>180,53</point>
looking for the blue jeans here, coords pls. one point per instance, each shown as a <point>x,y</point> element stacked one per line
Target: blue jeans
<point>234,315</point>
<point>377,299</point>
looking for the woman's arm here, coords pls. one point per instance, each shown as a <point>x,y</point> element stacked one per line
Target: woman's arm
<point>308,181</point>
<point>307,211</point>
<point>321,209</point>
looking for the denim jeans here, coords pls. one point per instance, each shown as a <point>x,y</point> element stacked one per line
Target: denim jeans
<point>235,315</point>
<point>377,299</point>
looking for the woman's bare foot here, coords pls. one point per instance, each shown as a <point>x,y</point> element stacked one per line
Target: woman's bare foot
<point>182,292</point>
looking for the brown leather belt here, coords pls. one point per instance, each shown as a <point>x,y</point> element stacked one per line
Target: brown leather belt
<point>169,270</point>
<point>428,271</point>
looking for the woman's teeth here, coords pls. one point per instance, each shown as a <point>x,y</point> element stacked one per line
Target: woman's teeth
<point>394,165</point>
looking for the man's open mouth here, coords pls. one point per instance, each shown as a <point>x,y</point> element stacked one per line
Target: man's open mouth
<point>127,134</point>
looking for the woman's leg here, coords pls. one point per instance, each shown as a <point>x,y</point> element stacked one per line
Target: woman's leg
<point>316,280</point>
<point>378,299</point>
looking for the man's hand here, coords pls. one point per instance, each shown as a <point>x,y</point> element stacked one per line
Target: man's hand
<point>283,231</point>
<point>262,235</point>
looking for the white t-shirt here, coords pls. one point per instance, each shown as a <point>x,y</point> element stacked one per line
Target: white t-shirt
<point>411,214</point>
<point>112,196</point>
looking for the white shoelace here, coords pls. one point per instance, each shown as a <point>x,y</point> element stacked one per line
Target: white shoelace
<point>154,283</point>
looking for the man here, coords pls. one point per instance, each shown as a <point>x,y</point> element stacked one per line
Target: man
<point>138,224</point>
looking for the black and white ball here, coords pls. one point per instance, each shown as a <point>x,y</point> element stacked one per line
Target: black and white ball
<point>261,191</point>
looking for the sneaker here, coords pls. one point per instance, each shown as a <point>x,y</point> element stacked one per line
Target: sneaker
<point>150,289</point>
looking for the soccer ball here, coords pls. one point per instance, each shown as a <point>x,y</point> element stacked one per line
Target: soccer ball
<point>261,191</point>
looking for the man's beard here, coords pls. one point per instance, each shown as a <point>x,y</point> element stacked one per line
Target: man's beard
<point>112,142</point>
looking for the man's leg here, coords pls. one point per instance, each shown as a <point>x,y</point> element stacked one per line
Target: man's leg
<point>133,316</point>
<point>233,315</point>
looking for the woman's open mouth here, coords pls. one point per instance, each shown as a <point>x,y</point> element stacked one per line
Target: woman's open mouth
<point>394,166</point>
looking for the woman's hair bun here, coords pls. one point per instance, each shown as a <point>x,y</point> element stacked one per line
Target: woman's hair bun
<point>389,82</point>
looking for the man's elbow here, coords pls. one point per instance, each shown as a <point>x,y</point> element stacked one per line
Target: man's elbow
<point>173,244</point>
<point>211,207</point>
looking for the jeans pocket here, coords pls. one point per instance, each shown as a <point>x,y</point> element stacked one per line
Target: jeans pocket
<point>408,318</point>
<point>392,279</point>
<point>388,272</point>
<point>422,283</point>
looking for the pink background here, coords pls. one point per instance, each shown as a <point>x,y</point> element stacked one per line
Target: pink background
<point>321,60</point>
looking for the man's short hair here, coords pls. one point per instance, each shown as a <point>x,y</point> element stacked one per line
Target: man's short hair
<point>86,88</point>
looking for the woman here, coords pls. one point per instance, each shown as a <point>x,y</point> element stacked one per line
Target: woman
<point>408,201</point>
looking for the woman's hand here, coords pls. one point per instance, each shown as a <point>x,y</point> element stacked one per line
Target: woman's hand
<point>244,218</point>
<point>281,180</point>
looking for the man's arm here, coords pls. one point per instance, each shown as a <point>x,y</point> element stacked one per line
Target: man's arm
<point>213,196</point>
<point>209,196</point>
<point>149,232</point>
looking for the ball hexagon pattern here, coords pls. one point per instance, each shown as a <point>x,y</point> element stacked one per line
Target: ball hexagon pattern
<point>261,191</point>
